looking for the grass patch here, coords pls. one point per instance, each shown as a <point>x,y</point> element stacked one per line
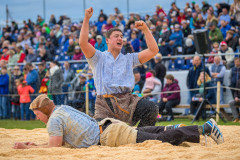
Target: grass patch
<point>188,122</point>
<point>17,124</point>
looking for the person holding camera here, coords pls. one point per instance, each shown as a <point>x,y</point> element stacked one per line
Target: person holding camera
<point>199,97</point>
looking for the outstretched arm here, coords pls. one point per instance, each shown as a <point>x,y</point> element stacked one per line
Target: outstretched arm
<point>86,47</point>
<point>54,141</point>
<point>152,49</point>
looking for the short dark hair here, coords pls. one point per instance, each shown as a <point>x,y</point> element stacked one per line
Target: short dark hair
<point>169,76</point>
<point>110,31</point>
<point>29,64</point>
<point>4,67</point>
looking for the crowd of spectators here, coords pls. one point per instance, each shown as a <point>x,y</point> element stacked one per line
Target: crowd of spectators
<point>57,40</point>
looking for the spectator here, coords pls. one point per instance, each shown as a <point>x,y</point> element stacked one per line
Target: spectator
<point>102,15</point>
<point>14,81</point>
<point>186,29</point>
<point>217,71</point>
<point>199,96</point>
<point>56,80</point>
<point>71,47</point>
<point>31,57</point>
<point>20,55</point>
<point>119,25</point>
<point>127,48</point>
<point>79,95</point>
<point>50,48</point>
<point>4,90</point>
<point>235,75</point>
<point>5,55</point>
<point>193,75</point>
<point>150,83</point>
<point>169,100</point>
<point>100,45</point>
<point>92,92</point>
<point>68,76</point>
<point>135,42</point>
<point>215,49</point>
<point>220,7</point>
<point>138,81</point>
<point>181,17</point>
<point>154,95</point>
<point>108,25</point>
<point>41,71</point>
<point>235,102</point>
<point>159,68</point>
<point>166,51</point>
<point>33,80</point>
<point>200,22</point>
<point>236,11</point>
<point>224,16</point>
<point>224,28</point>
<point>215,34</point>
<point>24,91</point>
<point>176,38</point>
<point>211,19</point>
<point>78,55</point>
<point>231,41</point>
<point>165,33</point>
<point>205,5</point>
<point>227,59</point>
<point>52,21</point>
<point>43,55</point>
<point>154,32</point>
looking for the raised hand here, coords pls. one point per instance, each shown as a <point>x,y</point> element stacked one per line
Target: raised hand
<point>89,12</point>
<point>141,25</point>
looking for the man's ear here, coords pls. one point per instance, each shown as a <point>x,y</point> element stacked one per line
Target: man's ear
<point>107,40</point>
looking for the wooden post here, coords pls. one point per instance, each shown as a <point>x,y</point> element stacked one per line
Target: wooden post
<point>87,99</point>
<point>218,100</point>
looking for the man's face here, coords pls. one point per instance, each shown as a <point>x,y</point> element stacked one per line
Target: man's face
<point>42,117</point>
<point>216,60</point>
<point>197,61</point>
<point>115,40</point>
<point>237,63</point>
<point>99,40</point>
<point>224,47</point>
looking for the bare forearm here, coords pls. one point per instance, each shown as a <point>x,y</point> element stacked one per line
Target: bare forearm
<point>83,39</point>
<point>151,42</point>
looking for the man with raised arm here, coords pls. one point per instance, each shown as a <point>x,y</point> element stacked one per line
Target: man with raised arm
<point>113,75</point>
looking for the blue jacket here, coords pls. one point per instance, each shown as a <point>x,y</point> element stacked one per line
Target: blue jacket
<point>136,45</point>
<point>102,47</point>
<point>193,75</point>
<point>4,83</point>
<point>33,80</point>
<point>177,37</point>
<point>224,30</point>
<point>235,76</point>
<point>91,88</point>
<point>165,50</point>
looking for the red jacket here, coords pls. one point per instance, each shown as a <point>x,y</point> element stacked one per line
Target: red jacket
<point>24,93</point>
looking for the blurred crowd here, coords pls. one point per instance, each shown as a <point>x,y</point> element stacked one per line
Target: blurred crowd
<point>57,40</point>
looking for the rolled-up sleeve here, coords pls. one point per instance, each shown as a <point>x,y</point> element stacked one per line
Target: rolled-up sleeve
<point>55,127</point>
<point>95,58</point>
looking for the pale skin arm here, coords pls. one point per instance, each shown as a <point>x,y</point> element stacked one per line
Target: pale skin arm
<point>86,47</point>
<point>54,141</point>
<point>152,49</point>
